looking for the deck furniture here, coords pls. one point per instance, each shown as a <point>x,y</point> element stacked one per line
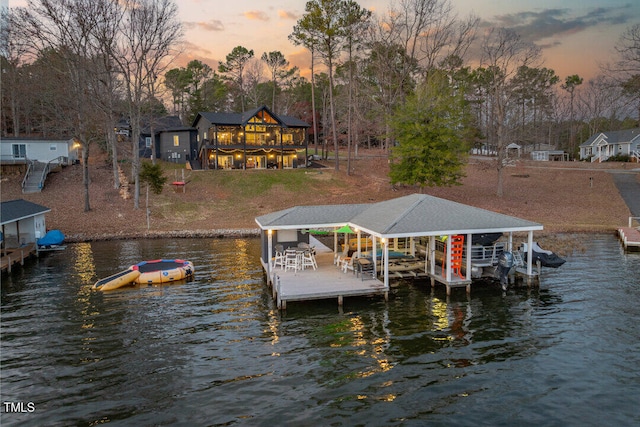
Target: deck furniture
<point>365,269</point>
<point>278,260</point>
<point>308,260</point>
<point>291,260</point>
<point>347,263</point>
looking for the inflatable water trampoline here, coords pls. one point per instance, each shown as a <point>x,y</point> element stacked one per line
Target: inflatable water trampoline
<point>149,273</point>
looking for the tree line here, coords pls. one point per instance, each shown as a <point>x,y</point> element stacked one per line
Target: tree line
<point>417,81</point>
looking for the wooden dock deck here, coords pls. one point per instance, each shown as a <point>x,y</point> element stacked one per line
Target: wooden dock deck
<point>630,238</point>
<point>328,281</point>
<point>11,256</point>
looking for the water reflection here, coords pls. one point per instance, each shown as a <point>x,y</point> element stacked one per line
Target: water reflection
<point>196,352</point>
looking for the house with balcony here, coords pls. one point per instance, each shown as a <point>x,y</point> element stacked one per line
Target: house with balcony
<point>603,145</point>
<point>255,139</point>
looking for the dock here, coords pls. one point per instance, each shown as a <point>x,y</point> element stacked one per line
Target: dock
<point>12,256</point>
<point>328,281</point>
<point>630,238</point>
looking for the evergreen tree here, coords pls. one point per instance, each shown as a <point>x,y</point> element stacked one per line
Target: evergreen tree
<point>430,130</point>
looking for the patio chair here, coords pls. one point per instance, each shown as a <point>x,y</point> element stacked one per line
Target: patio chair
<point>340,258</point>
<point>308,260</point>
<point>347,264</point>
<point>278,260</point>
<point>291,260</point>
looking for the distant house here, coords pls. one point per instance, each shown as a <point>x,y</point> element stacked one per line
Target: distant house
<point>549,155</point>
<point>256,139</point>
<point>171,141</point>
<point>23,222</point>
<point>21,150</point>
<point>603,145</point>
<point>177,144</point>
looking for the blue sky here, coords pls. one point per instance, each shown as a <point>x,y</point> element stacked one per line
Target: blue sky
<point>575,35</point>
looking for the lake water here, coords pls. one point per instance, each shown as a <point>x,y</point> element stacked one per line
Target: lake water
<point>215,351</point>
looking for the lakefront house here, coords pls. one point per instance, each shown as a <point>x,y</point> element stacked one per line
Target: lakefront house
<point>603,145</point>
<point>255,139</point>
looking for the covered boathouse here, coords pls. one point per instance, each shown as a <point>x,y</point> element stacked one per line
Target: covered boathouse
<point>23,223</point>
<point>412,225</point>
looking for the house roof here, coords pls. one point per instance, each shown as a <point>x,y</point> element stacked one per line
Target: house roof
<point>413,215</point>
<point>241,119</point>
<point>15,210</point>
<point>613,137</point>
<point>165,124</point>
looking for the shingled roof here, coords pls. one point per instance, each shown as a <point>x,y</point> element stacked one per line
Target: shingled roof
<point>412,215</point>
<point>241,119</point>
<point>16,210</point>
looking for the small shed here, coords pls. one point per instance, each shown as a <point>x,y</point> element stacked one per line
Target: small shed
<point>513,150</point>
<point>23,223</point>
<point>549,155</point>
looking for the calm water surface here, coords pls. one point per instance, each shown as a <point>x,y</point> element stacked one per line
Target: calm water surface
<point>214,351</point>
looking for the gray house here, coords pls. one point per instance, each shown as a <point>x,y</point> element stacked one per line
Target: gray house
<point>171,141</point>
<point>22,222</point>
<point>255,139</point>
<point>603,145</point>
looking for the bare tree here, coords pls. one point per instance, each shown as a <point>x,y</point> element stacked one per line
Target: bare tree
<point>355,20</point>
<point>600,102</point>
<point>148,30</point>
<point>503,53</point>
<point>13,51</point>
<point>626,67</point>
<point>66,27</point>
<point>253,82</point>
<point>321,27</point>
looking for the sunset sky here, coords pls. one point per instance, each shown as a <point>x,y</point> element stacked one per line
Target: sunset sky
<point>575,35</point>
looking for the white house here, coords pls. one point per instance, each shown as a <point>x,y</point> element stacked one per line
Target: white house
<point>19,150</point>
<point>603,145</point>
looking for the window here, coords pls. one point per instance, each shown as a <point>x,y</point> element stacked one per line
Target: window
<point>19,151</point>
<point>147,141</point>
<point>176,140</point>
<point>287,235</point>
<point>53,147</point>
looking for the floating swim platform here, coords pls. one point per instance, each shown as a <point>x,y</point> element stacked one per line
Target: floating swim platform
<point>163,271</point>
<point>149,273</point>
<point>118,280</point>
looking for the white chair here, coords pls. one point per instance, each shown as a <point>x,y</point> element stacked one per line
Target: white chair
<point>290,260</point>
<point>308,260</point>
<point>278,260</point>
<point>347,264</point>
<point>340,258</point>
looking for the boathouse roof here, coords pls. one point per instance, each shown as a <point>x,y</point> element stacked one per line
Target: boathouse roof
<point>412,215</point>
<point>16,210</point>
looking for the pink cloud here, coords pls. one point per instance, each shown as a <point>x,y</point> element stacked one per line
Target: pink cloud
<point>256,15</point>
<point>283,14</point>
<point>213,25</point>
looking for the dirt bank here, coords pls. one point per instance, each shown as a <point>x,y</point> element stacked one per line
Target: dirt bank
<point>563,196</point>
